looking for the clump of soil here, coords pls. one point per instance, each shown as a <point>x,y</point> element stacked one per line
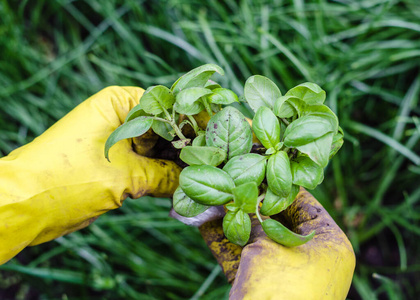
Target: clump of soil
<point>165,150</point>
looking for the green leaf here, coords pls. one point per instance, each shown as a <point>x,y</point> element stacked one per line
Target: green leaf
<point>222,96</point>
<point>200,139</point>
<point>266,127</point>
<point>270,151</point>
<point>260,91</point>
<point>199,155</point>
<point>156,99</point>
<point>128,130</point>
<point>306,172</point>
<point>212,85</point>
<point>197,77</point>
<point>237,227</point>
<point>246,197</point>
<point>278,146</point>
<point>324,112</point>
<point>230,131</point>
<point>282,108</point>
<point>163,129</point>
<point>215,107</point>
<point>274,204</point>
<point>288,106</point>
<point>207,185</point>
<point>279,175</point>
<point>319,150</point>
<point>305,130</point>
<point>187,100</point>
<point>337,142</point>
<point>179,144</point>
<point>309,92</point>
<point>283,236</point>
<point>136,111</point>
<point>246,168</point>
<point>185,206</point>
<point>232,207</point>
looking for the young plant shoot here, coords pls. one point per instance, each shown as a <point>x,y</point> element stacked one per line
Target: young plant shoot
<point>297,132</point>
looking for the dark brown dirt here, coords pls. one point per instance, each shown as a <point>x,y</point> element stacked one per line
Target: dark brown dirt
<point>164,150</point>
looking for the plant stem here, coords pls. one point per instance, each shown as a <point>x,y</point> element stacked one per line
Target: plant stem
<point>161,120</point>
<point>177,131</point>
<point>194,124</point>
<point>168,116</point>
<point>207,106</point>
<point>285,121</point>
<point>260,198</point>
<point>171,120</point>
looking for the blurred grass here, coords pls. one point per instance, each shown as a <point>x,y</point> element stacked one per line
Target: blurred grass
<point>365,54</point>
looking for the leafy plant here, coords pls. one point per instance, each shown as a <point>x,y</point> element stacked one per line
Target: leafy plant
<point>297,132</point>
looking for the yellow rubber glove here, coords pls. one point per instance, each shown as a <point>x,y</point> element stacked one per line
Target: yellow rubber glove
<point>320,269</point>
<point>61,181</point>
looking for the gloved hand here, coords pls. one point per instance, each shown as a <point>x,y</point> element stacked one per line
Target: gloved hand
<point>320,269</point>
<point>61,181</point>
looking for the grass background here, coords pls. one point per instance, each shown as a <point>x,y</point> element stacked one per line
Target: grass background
<point>365,54</point>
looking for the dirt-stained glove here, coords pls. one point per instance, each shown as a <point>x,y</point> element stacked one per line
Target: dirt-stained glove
<point>320,269</point>
<point>61,181</point>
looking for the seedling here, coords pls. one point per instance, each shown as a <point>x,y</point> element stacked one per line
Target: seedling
<point>297,132</point>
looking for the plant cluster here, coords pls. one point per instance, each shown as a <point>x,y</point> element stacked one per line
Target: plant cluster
<point>297,132</point>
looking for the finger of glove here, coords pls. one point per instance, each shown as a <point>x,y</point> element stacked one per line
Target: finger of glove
<point>226,253</point>
<point>67,180</point>
<point>320,269</point>
<point>114,103</point>
<point>154,177</point>
<point>146,176</point>
<point>306,214</point>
